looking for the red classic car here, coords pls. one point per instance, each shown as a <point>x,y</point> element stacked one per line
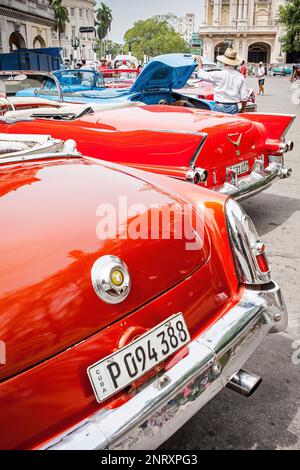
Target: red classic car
<point>114,340</point>
<point>236,155</point>
<point>205,90</point>
<point>120,78</point>
<point>199,88</point>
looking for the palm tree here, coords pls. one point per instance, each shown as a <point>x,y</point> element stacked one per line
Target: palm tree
<point>61,17</point>
<point>103,21</point>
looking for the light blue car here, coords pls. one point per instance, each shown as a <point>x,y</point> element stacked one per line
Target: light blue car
<point>71,81</point>
<point>282,70</point>
<point>156,84</point>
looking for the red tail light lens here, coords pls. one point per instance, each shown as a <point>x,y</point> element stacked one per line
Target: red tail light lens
<point>261,258</point>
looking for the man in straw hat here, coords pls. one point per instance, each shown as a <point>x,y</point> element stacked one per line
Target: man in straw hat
<point>229,85</point>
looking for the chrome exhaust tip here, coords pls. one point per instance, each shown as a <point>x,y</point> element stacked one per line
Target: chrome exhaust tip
<point>196,175</point>
<point>285,172</point>
<point>289,145</point>
<point>244,383</point>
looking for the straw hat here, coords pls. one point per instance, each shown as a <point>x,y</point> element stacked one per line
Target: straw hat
<point>230,57</point>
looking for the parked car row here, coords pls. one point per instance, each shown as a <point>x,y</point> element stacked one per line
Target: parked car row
<point>133,285</point>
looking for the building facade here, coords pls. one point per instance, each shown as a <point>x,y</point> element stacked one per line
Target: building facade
<point>248,25</point>
<point>81,14</point>
<point>186,26</point>
<point>25,23</point>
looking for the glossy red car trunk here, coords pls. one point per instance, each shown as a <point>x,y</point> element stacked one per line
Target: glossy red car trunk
<point>48,303</point>
<point>49,244</point>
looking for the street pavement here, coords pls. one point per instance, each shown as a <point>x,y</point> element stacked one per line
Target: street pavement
<point>270,419</point>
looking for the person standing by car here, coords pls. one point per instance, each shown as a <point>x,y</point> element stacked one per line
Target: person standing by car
<point>261,78</point>
<point>229,84</point>
<point>243,69</point>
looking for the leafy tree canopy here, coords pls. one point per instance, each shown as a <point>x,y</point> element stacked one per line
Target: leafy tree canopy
<point>154,36</point>
<point>289,17</point>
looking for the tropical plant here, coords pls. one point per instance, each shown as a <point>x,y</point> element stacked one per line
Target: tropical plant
<point>103,21</point>
<point>152,37</point>
<point>61,18</point>
<point>289,17</point>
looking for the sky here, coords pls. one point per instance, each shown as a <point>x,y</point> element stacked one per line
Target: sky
<point>126,12</point>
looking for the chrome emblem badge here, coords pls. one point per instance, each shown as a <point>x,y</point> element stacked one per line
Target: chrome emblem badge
<point>235,139</point>
<point>111,279</point>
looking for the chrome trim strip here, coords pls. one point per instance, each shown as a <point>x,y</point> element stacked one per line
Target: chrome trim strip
<point>161,407</point>
<point>204,136</point>
<point>47,148</point>
<point>40,156</point>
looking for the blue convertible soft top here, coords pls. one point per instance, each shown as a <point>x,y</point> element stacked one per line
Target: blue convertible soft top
<point>167,71</point>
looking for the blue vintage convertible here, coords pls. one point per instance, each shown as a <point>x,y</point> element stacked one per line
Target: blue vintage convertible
<point>71,81</point>
<point>156,84</point>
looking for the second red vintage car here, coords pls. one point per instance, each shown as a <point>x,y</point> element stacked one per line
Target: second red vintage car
<point>204,90</point>
<point>114,337</point>
<point>236,155</point>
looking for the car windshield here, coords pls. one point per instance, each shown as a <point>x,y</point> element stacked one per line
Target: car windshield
<point>79,80</point>
<point>27,84</point>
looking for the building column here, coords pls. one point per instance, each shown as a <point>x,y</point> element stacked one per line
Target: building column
<point>251,6</point>
<point>240,10</point>
<point>216,15</point>
<point>232,11</point>
<point>245,11</point>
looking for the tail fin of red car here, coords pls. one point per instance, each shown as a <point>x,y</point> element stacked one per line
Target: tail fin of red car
<point>277,125</point>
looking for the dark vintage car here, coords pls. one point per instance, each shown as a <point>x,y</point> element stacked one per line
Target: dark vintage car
<point>114,337</point>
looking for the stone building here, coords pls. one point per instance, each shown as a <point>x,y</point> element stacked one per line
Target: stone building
<point>248,25</point>
<point>81,13</point>
<point>186,26</point>
<point>25,23</point>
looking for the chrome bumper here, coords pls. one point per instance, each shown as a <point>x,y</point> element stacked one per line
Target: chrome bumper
<point>259,179</point>
<point>160,408</point>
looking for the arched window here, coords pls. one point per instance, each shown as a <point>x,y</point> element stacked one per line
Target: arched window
<point>16,41</point>
<point>220,49</point>
<point>259,52</point>
<point>38,42</point>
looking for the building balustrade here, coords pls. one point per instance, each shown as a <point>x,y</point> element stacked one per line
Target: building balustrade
<point>30,7</point>
<point>237,29</point>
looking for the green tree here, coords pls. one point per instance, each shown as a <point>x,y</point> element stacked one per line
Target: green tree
<point>289,17</point>
<point>61,18</point>
<point>113,48</point>
<point>103,21</point>
<point>152,37</point>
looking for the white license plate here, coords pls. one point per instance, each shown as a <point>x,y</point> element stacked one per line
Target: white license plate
<point>240,168</point>
<point>123,367</point>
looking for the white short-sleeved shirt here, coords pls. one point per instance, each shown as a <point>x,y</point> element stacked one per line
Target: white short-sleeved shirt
<point>261,71</point>
<point>229,84</point>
